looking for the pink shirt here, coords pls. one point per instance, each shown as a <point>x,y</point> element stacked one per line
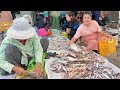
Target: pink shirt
<point>89,34</point>
<point>85,31</point>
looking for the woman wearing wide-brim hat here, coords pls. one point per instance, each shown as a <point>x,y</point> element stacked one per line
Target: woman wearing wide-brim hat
<point>20,44</point>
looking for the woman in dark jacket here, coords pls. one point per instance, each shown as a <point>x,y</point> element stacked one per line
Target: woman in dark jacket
<point>72,24</point>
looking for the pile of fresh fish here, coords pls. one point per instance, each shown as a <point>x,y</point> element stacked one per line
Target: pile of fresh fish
<point>82,65</point>
<point>58,67</point>
<point>83,70</point>
<point>74,63</point>
<point>57,43</point>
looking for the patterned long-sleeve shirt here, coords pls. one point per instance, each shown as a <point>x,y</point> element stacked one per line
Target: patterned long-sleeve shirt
<point>32,48</point>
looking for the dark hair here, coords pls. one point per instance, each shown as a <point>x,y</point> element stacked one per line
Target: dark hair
<point>88,12</point>
<point>70,14</point>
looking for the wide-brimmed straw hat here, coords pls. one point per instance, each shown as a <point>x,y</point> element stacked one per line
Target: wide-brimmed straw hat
<point>21,29</point>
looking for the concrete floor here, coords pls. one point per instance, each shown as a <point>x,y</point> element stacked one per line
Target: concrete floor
<point>115,61</point>
<point>115,58</point>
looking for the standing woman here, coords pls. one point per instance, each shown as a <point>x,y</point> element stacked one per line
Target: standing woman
<point>45,14</point>
<point>89,31</point>
<point>55,15</point>
<point>6,16</point>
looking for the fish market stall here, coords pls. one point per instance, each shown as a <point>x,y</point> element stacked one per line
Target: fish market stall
<point>71,62</point>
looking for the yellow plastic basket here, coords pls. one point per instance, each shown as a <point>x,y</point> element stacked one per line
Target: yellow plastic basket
<point>107,46</point>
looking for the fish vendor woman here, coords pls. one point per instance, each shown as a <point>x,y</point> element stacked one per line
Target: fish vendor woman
<point>89,30</point>
<point>19,46</point>
<point>71,25</point>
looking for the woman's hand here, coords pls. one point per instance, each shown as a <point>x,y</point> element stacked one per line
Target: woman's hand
<point>38,69</point>
<point>18,70</point>
<point>68,31</point>
<point>103,34</point>
<point>108,36</point>
<point>67,43</point>
<point>71,41</point>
